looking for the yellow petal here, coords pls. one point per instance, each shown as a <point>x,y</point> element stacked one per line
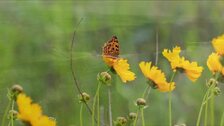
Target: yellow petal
<point>122,69</point>
<point>218,44</point>
<point>156,76</point>
<point>213,63</point>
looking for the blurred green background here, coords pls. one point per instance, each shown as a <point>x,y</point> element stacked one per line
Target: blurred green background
<point>35,39</point>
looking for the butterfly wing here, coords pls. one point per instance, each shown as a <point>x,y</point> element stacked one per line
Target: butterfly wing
<point>111,48</point>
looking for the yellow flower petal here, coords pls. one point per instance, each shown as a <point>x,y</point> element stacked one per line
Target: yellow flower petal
<point>218,44</point>
<point>31,113</point>
<point>109,60</point>
<point>166,87</point>
<point>172,55</point>
<point>213,63</point>
<point>44,121</point>
<point>122,69</point>
<point>156,76</point>
<point>192,70</point>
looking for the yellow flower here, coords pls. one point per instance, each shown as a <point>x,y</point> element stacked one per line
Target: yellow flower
<point>214,64</point>
<point>44,121</point>
<point>218,44</point>
<point>121,67</point>
<point>156,76</point>
<point>192,70</point>
<point>32,113</point>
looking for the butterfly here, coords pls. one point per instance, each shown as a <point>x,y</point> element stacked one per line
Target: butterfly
<point>111,48</point>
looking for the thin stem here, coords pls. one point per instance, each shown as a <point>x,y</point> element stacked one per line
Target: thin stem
<point>212,115</point>
<point>206,112</point>
<point>94,103</point>
<point>204,101</point>
<point>109,107</point>
<point>201,108</point>
<point>5,113</point>
<point>142,114</point>
<point>12,109</point>
<point>170,100</point>
<point>72,67</point>
<point>80,114</point>
<point>222,120</point>
<point>136,119</point>
<point>98,108</point>
<point>170,108</point>
<point>146,91</point>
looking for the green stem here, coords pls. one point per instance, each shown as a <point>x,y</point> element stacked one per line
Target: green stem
<point>212,111</point>
<point>5,113</point>
<point>136,119</point>
<point>98,109</point>
<point>80,114</point>
<point>94,104</point>
<point>109,107</point>
<point>142,114</point>
<point>170,100</point>
<point>204,101</point>
<point>222,120</point>
<point>206,110</point>
<point>146,92</point>
<point>12,109</point>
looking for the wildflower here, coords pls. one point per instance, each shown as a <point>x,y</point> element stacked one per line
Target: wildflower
<point>119,65</point>
<point>156,76</point>
<point>214,64</point>
<point>31,113</point>
<point>218,44</point>
<point>191,69</point>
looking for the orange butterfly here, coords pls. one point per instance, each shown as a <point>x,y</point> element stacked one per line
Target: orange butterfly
<point>110,56</point>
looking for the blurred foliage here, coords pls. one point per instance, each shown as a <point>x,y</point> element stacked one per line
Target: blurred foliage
<point>35,39</point>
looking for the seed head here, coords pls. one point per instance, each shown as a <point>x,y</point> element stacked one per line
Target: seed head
<point>141,102</point>
<point>17,89</point>
<point>104,78</point>
<point>13,114</point>
<point>84,97</point>
<point>132,116</point>
<point>121,121</point>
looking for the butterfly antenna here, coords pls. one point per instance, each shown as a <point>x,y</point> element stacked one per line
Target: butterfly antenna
<point>72,68</point>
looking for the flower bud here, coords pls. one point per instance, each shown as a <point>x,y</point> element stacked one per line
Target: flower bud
<point>84,97</point>
<point>141,102</point>
<point>16,89</point>
<point>211,82</point>
<point>13,114</point>
<point>132,116</point>
<point>217,91</point>
<point>104,78</point>
<point>121,121</point>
